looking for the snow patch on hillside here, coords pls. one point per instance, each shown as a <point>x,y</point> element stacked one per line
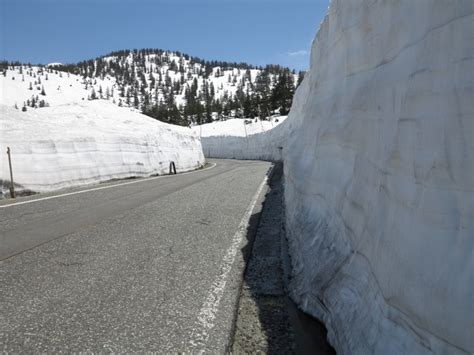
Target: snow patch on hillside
<point>22,84</point>
<point>89,142</point>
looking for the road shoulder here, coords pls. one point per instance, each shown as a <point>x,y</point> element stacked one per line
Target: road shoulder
<point>267,320</point>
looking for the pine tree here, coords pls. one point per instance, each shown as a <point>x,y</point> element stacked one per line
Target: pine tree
<point>42,91</point>
<point>301,75</point>
<point>128,96</point>
<point>136,101</point>
<point>262,93</point>
<point>151,78</point>
<point>146,103</point>
<point>282,93</point>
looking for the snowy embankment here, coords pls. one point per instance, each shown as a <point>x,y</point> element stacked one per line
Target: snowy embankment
<point>89,142</point>
<point>379,174</point>
<point>236,139</point>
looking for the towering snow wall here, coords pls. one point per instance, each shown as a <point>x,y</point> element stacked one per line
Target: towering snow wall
<point>379,173</point>
<point>89,142</point>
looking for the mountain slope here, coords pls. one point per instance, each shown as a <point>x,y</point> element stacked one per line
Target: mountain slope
<point>170,86</point>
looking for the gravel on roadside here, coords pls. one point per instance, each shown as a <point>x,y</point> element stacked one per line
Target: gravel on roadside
<point>267,321</point>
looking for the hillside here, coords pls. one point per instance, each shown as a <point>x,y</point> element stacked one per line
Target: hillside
<point>170,86</point>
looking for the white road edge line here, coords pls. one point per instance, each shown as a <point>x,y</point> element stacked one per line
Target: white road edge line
<point>103,187</point>
<point>208,312</point>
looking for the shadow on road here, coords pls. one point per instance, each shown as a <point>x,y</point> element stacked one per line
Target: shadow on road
<point>267,320</point>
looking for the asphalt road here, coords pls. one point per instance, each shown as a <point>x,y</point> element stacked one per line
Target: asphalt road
<point>146,265</point>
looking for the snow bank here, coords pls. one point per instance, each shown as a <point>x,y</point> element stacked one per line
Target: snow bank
<point>379,173</point>
<point>234,139</point>
<point>90,142</point>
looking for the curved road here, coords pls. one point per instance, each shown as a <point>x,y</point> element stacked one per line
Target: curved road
<point>143,265</point>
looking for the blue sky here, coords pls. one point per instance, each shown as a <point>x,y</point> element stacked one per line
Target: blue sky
<point>255,31</point>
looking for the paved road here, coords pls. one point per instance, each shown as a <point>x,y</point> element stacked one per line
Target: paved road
<point>152,264</point>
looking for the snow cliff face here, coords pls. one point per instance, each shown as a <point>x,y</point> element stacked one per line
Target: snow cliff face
<point>379,171</point>
<point>89,142</point>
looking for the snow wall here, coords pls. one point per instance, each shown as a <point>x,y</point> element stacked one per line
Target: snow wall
<point>78,144</point>
<point>258,146</point>
<point>379,174</point>
<point>380,177</point>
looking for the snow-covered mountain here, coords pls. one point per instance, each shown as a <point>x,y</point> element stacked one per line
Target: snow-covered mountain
<point>170,86</point>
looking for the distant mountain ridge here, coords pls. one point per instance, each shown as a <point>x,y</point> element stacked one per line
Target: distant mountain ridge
<point>174,87</point>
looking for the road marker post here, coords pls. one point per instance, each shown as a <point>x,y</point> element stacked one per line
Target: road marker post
<point>172,168</point>
<point>12,184</point>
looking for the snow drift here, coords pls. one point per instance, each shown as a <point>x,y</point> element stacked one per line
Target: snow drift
<point>76,144</point>
<point>380,177</point>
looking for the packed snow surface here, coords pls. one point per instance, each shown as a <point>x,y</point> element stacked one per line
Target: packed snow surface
<point>379,173</point>
<point>89,142</point>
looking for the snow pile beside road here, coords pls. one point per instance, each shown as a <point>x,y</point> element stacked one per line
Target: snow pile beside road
<point>90,142</point>
<point>244,139</point>
<point>380,178</point>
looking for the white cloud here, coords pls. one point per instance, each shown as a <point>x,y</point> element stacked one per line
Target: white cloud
<point>297,53</point>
